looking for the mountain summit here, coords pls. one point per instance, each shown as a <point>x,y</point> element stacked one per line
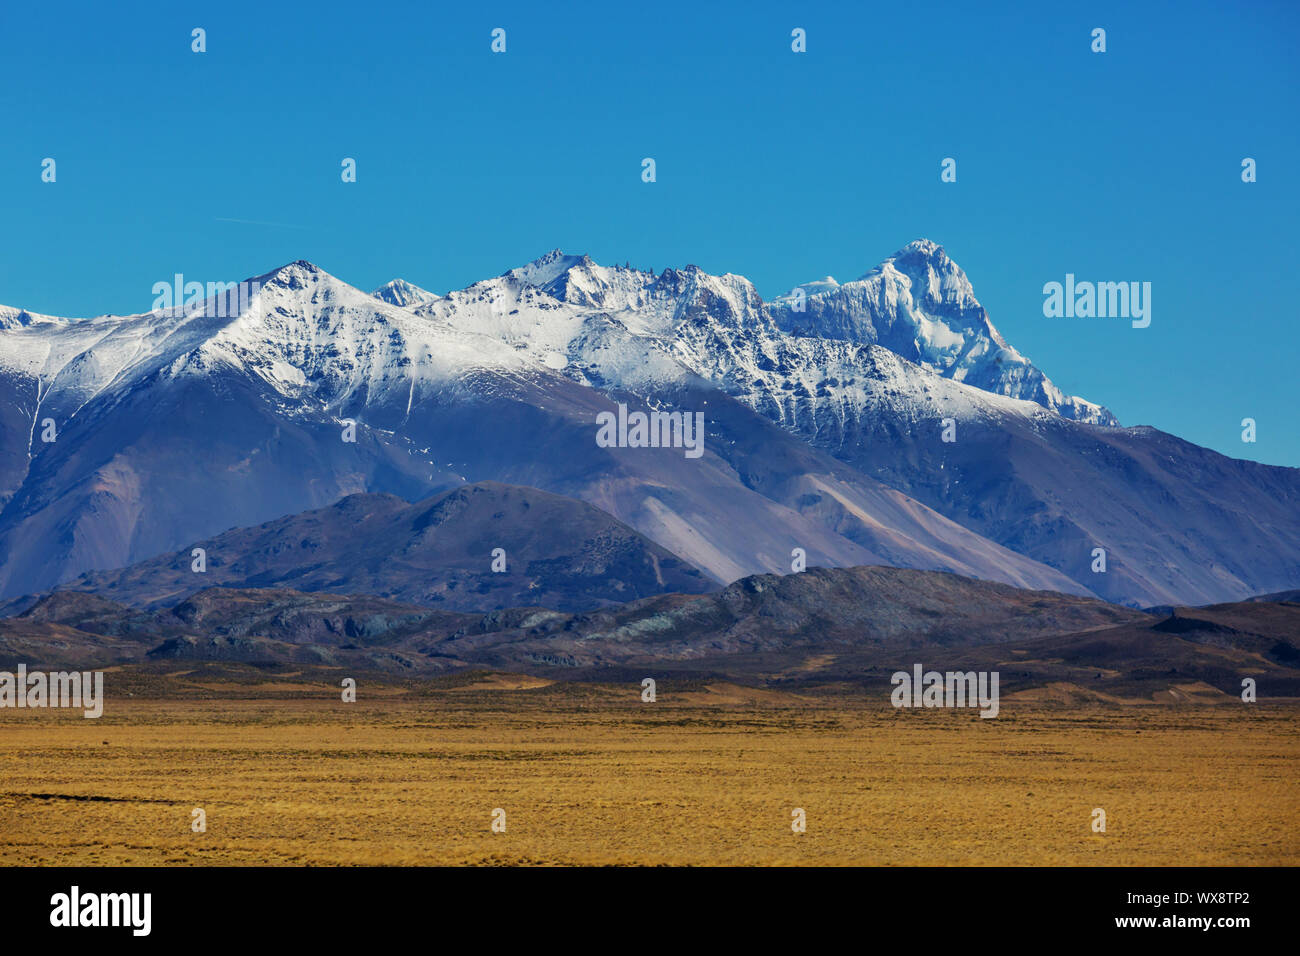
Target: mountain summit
<point>920,305</point>
<point>400,292</point>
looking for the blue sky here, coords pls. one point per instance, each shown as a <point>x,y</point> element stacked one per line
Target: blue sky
<point>779,166</point>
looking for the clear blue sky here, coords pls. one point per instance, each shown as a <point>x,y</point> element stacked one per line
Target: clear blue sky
<point>782,167</point>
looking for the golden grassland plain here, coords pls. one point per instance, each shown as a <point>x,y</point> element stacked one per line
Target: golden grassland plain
<point>588,774</point>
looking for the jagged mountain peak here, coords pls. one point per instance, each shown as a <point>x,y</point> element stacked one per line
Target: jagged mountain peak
<point>919,253</point>
<point>923,246</point>
<point>935,279</point>
<point>11,318</point>
<point>920,304</point>
<point>291,273</point>
<point>561,312</point>
<point>547,268</point>
<point>405,294</point>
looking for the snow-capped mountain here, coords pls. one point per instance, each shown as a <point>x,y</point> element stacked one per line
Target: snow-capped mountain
<point>1050,476</point>
<point>567,311</point>
<point>400,292</point>
<point>919,304</point>
<point>615,326</point>
<point>822,428</point>
<point>173,426</point>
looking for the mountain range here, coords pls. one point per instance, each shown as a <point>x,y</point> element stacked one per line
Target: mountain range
<point>825,414</point>
<point>828,628</point>
<point>476,546</point>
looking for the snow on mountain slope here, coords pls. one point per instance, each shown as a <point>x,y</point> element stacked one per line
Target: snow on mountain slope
<point>11,318</point>
<point>352,345</point>
<point>920,305</point>
<point>601,326</point>
<point>612,325</point>
<point>352,348</point>
<point>402,293</point>
<point>619,327</point>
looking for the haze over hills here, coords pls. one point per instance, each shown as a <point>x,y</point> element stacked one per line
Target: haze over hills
<point>823,429</point>
<point>555,552</point>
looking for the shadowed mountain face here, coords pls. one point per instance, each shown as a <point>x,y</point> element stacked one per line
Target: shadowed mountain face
<point>824,626</point>
<point>790,616</point>
<point>1180,524</point>
<point>823,608</point>
<point>556,552</point>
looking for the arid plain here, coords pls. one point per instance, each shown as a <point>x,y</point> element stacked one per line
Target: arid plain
<point>709,773</point>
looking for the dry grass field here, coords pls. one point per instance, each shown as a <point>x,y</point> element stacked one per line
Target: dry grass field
<point>288,774</point>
